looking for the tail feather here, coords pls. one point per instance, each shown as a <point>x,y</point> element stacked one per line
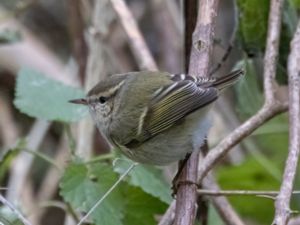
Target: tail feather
<point>228,80</point>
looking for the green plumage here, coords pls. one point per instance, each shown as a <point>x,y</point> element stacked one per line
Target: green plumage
<point>155,117</point>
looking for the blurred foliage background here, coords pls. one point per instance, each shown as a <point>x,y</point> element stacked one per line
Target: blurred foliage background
<point>45,46</point>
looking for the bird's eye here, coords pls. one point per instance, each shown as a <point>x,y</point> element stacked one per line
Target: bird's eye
<point>102,99</point>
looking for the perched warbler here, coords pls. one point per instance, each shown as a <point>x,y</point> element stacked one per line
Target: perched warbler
<point>155,117</point>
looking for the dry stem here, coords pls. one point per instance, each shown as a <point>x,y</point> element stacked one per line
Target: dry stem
<point>282,208</point>
<point>240,192</point>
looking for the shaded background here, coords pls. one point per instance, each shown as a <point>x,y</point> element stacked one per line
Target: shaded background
<point>51,38</point>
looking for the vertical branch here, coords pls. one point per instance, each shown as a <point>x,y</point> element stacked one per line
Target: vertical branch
<point>186,195</point>
<point>199,63</point>
<point>185,211</point>
<point>282,203</point>
<point>202,43</point>
<point>271,54</point>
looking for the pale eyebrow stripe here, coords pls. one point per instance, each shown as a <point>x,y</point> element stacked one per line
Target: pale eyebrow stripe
<point>112,90</point>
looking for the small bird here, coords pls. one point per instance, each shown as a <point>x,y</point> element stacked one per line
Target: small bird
<point>155,117</point>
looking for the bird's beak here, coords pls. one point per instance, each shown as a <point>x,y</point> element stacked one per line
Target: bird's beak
<point>81,101</point>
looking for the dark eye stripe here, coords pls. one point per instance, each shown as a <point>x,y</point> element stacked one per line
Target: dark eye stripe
<point>102,99</point>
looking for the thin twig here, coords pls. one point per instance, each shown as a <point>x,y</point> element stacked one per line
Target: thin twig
<point>240,192</point>
<point>282,204</point>
<point>108,192</point>
<point>14,209</point>
<point>136,40</point>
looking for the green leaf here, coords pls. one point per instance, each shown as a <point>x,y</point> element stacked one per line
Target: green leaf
<point>83,186</point>
<point>295,3</point>
<point>253,23</point>
<point>41,97</point>
<point>141,207</point>
<point>148,178</point>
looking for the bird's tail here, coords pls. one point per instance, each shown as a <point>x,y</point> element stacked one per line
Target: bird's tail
<point>228,80</point>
